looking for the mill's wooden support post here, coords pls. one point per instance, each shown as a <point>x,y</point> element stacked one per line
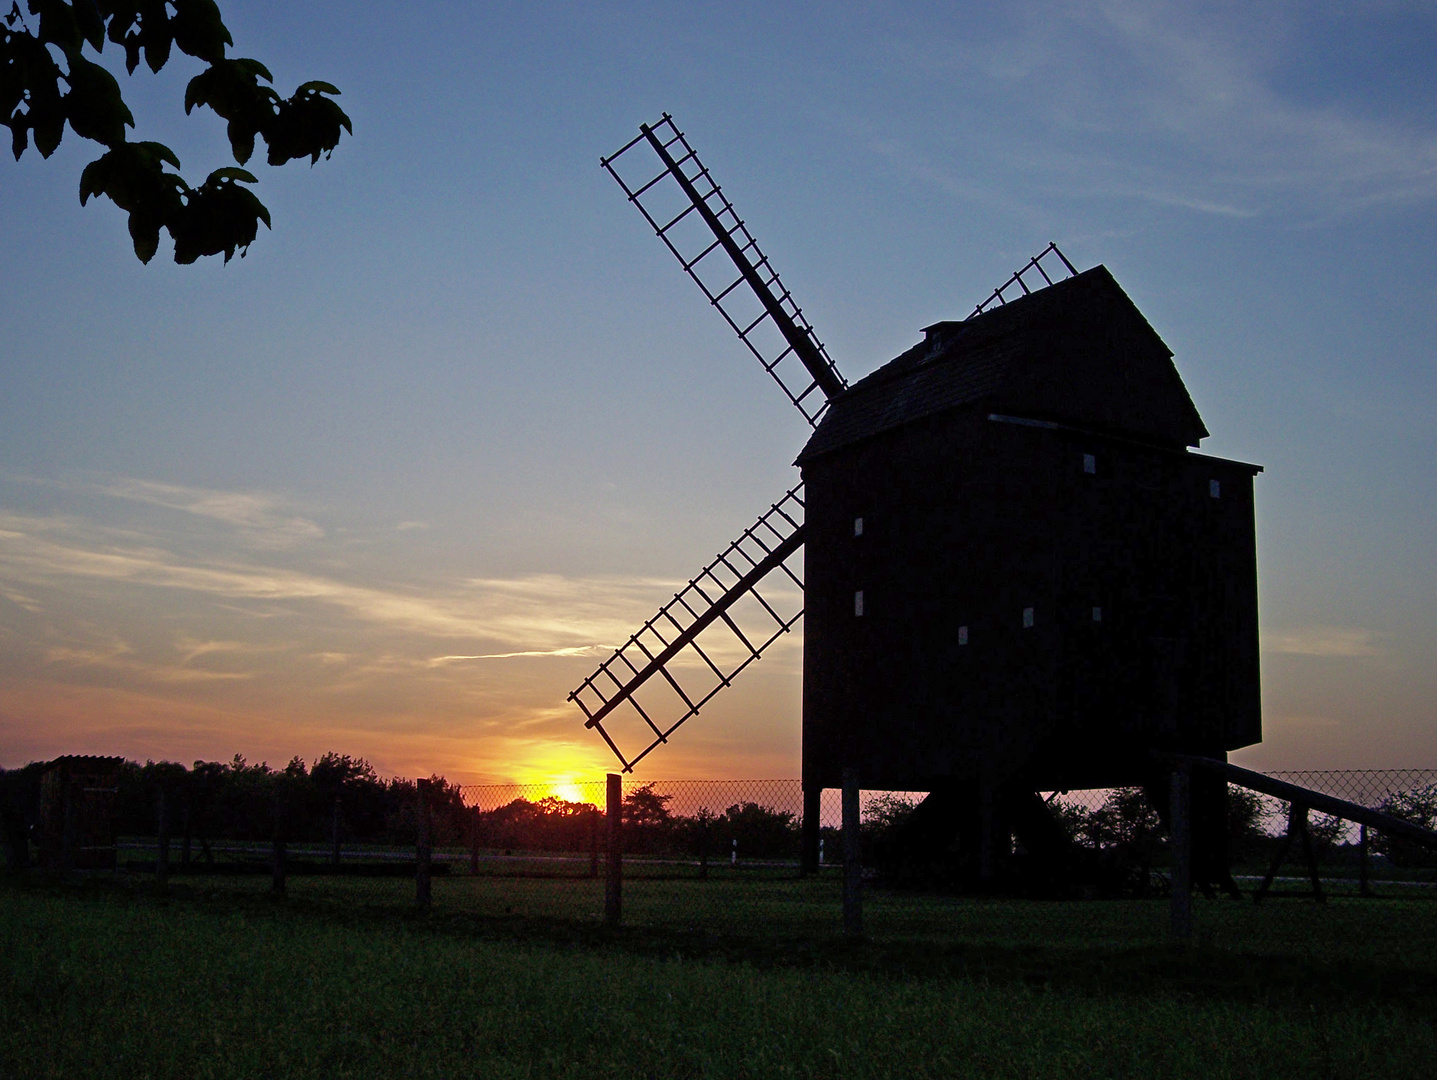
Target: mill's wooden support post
<point>1181,840</point>
<point>423,849</point>
<point>1296,831</point>
<point>852,858</point>
<point>162,839</point>
<point>334,833</point>
<point>614,880</point>
<point>1309,852</point>
<point>812,808</point>
<point>987,836</point>
<point>277,868</point>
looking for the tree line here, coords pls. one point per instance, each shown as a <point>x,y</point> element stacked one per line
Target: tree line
<point>342,797</point>
<point>237,800</point>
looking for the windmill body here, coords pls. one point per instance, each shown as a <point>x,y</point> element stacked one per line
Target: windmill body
<point>1019,576</point>
<point>1016,572</point>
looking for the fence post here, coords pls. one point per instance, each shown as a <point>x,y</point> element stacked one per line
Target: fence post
<point>422,891</point>
<point>703,849</point>
<point>334,834</point>
<point>852,858</point>
<point>277,882</point>
<point>474,842</point>
<point>1181,842</point>
<point>811,840</point>
<point>614,881</point>
<point>162,840</point>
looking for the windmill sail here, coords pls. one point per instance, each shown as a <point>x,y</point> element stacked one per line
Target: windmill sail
<point>698,224</point>
<point>711,630</point>
<point>1030,271</point>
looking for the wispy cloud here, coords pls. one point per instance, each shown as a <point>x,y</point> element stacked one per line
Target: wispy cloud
<point>1173,104</point>
<point>119,657</point>
<point>160,610</point>
<point>261,517</point>
<point>1330,641</point>
<point>544,613</point>
<point>579,650</point>
<point>19,599</point>
<point>191,650</point>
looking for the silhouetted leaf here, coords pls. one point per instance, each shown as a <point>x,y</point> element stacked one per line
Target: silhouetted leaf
<point>47,120</point>
<point>231,88</point>
<point>231,173</point>
<point>30,71</point>
<point>219,216</point>
<point>91,23</point>
<point>132,176</point>
<point>95,107</point>
<point>58,25</point>
<point>145,235</point>
<point>308,125</point>
<point>199,30</point>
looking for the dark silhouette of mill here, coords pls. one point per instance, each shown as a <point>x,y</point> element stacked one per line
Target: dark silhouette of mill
<point>1016,577</point>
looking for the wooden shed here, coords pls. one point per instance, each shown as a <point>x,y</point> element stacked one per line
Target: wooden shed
<point>77,821</point>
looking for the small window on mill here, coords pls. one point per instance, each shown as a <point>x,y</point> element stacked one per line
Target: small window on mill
<point>962,635</point>
<point>858,603</point>
<point>858,526</point>
<point>1090,463</point>
<point>1214,489</point>
<point>1027,618</point>
<point>1097,614</point>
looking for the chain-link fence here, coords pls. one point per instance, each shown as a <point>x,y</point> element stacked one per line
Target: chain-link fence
<point>1262,843</point>
<point>717,854</point>
<point>724,857</point>
<point>727,859</point>
<point>1350,859</point>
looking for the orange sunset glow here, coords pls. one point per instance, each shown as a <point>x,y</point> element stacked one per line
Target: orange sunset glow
<point>396,481</point>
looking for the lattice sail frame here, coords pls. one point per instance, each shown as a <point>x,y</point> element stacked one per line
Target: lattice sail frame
<point>711,630</point>
<point>692,216</point>
<point>1032,266</point>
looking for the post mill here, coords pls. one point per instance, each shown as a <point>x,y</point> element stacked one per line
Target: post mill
<point>1016,574</point>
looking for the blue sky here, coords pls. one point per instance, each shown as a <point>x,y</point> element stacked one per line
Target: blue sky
<point>460,402</point>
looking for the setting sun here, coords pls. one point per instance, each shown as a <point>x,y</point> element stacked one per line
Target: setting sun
<point>570,791</point>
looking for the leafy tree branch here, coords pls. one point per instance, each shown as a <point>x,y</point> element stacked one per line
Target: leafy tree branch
<point>46,83</point>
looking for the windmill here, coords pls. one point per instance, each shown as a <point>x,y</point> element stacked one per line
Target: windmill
<point>1020,578</point>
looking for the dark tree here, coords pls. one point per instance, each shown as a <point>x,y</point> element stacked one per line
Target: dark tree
<point>647,819</point>
<point>46,82</point>
<point>761,831</point>
<point>1419,806</point>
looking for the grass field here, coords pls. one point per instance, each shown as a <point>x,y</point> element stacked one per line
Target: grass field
<point>768,905</point>
<point>343,979</point>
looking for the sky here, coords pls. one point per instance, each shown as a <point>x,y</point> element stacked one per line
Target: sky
<point>396,481</point>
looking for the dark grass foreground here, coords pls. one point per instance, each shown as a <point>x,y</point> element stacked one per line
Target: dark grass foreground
<point>206,983</point>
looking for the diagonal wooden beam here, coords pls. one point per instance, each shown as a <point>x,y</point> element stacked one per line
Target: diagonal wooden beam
<point>746,583</point>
